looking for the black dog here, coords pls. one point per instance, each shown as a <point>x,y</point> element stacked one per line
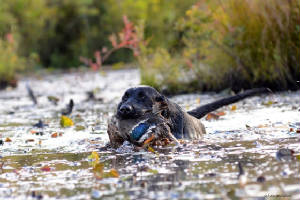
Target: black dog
<point>144,112</point>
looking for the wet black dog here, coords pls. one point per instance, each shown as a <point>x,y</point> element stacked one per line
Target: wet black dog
<point>144,112</point>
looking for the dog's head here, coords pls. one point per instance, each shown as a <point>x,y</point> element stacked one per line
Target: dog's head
<point>138,101</point>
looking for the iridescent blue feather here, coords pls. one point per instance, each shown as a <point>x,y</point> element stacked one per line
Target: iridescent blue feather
<point>139,130</point>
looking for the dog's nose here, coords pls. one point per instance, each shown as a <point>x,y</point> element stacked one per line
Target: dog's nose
<point>126,109</point>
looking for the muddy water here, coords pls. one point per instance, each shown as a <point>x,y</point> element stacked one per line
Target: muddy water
<point>36,164</point>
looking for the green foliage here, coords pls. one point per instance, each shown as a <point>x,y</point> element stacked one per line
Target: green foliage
<point>161,71</point>
<point>10,61</point>
<point>60,31</point>
<point>237,44</point>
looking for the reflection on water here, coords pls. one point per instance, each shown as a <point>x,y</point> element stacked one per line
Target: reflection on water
<point>39,166</point>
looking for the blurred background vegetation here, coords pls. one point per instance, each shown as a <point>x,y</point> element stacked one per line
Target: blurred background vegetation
<point>183,46</point>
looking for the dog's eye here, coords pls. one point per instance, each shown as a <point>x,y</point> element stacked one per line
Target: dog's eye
<point>141,95</point>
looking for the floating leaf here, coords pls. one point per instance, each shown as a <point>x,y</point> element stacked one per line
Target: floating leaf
<point>29,140</point>
<point>211,116</point>
<point>153,171</point>
<point>262,126</point>
<point>98,170</point>
<point>65,121</point>
<point>112,173</point>
<point>198,100</point>
<point>221,113</point>
<point>79,128</point>
<point>268,103</point>
<point>233,108</point>
<point>54,135</point>
<point>181,141</point>
<point>94,157</point>
<point>46,168</point>
<point>8,140</point>
<point>53,99</point>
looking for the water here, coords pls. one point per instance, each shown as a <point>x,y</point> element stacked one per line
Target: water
<point>36,165</point>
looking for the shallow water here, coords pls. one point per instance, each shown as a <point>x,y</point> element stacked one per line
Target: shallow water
<point>37,165</point>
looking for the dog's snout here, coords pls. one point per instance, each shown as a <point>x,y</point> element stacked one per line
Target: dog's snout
<point>126,109</point>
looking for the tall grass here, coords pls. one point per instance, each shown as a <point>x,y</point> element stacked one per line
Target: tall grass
<point>261,40</point>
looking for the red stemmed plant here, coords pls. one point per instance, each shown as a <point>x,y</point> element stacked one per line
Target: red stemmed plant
<point>127,38</point>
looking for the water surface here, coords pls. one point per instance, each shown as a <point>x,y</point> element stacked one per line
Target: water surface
<point>38,165</point>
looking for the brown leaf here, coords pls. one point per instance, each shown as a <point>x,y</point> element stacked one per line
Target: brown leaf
<point>221,113</point>
<point>211,116</point>
<point>233,108</point>
<point>262,126</point>
<point>46,168</point>
<point>8,139</point>
<point>181,141</point>
<point>29,140</point>
<point>98,170</point>
<point>113,173</point>
<point>54,135</point>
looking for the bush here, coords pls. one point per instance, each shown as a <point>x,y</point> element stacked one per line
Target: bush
<point>10,61</point>
<point>239,44</point>
<point>60,31</point>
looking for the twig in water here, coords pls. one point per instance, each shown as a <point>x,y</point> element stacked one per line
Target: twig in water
<point>69,108</point>
<point>31,94</point>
